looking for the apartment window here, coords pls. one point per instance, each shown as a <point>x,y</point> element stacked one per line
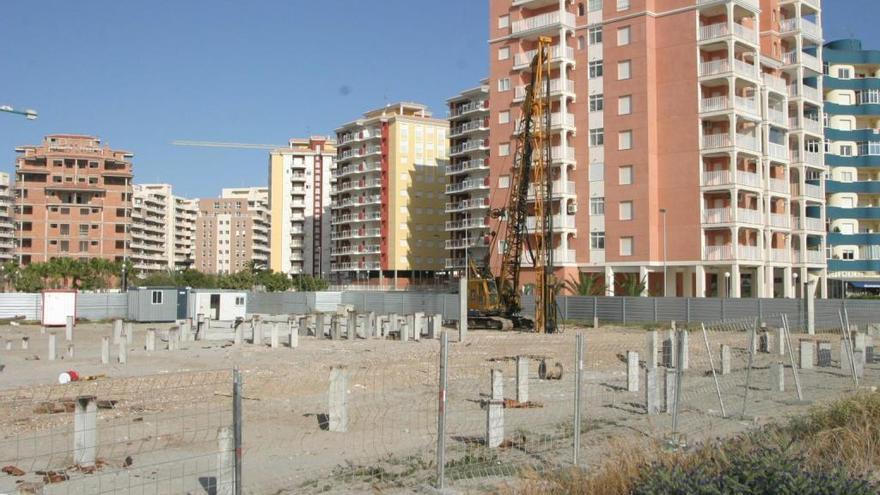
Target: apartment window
<point>503,182</point>
<point>597,136</point>
<point>848,254</point>
<point>157,297</point>
<point>625,208</point>
<point>844,73</point>
<point>581,9</point>
<point>597,172</point>
<point>626,246</point>
<point>625,175</point>
<point>64,246</point>
<point>846,150</point>
<point>504,53</point>
<point>504,149</point>
<point>64,229</point>
<point>504,117</point>
<point>595,5</point>
<point>595,69</point>
<point>597,240</point>
<point>624,105</point>
<point>595,35</point>
<point>83,246</point>
<point>597,206</point>
<point>846,177</point>
<point>239,300</point>
<point>624,70</point>
<point>622,5</point>
<point>504,84</point>
<point>582,42</point>
<point>624,140</point>
<point>83,229</point>
<point>503,21</point>
<point>623,36</point>
<point>597,103</point>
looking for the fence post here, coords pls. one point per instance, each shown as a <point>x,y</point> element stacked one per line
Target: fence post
<point>760,310</point>
<point>578,375</point>
<point>441,412</point>
<point>722,309</point>
<point>623,309</point>
<point>655,309</point>
<point>236,427</point>
<point>687,309</point>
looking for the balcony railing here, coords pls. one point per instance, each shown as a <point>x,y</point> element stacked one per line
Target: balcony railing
<point>556,54</point>
<point>469,146</point>
<point>559,188</point>
<point>778,185</point>
<point>729,215</point>
<point>541,22</point>
<point>775,83</point>
<point>470,223</point>
<point>777,151</point>
<point>559,222</point>
<point>750,253</point>
<point>780,255</point>
<point>474,106</point>
<point>467,166</point>
<point>467,185</point>
<point>557,86</point>
<point>711,141</point>
<point>559,256</point>
<point>723,252</point>
<point>556,153</point>
<point>467,204</point>
<point>780,220</point>
<point>777,117</point>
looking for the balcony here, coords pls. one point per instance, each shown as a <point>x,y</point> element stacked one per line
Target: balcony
<point>723,103</point>
<point>722,252</point>
<point>809,224</point>
<point>559,256</point>
<point>560,222</point>
<point>778,186</point>
<point>715,178</point>
<point>468,146</point>
<point>557,87</point>
<point>810,257</point>
<point>557,54</point>
<point>809,191</point>
<point>559,189</point>
<point>355,266</point>
<point>812,158</point>
<point>355,234</point>
<point>453,263</point>
<point>808,61</point>
<point>719,30</point>
<point>467,185</point>
<point>780,255</point>
<point>774,83</point>
<point>780,220</point>
<point>464,243</point>
<point>473,125</point>
<point>471,107</point>
<point>467,204</point>
<point>471,165</point>
<point>558,155</point>
<point>541,24</point>
<point>777,117</point>
<point>471,223</point>
<point>777,151</point>
<point>752,4</point>
<point>715,216</point>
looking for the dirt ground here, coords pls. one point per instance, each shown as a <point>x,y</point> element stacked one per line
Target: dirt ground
<point>158,422</point>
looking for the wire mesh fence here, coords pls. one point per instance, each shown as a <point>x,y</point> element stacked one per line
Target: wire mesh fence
<point>354,415</point>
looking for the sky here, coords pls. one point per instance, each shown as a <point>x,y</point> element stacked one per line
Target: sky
<point>140,74</point>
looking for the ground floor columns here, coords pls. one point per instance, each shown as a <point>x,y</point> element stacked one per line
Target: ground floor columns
<point>700,281</point>
<point>761,281</point>
<point>787,283</point>
<point>643,277</point>
<point>609,280</point>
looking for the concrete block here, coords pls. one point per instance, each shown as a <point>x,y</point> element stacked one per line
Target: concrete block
<point>494,423</point>
<point>859,341</point>
<point>685,350</point>
<point>173,339</point>
<point>652,344</point>
<point>129,333</point>
<point>274,338</point>
<point>522,379</point>
<point>420,325</point>
<point>652,391</point>
<point>777,377</point>
<point>726,358</point>
<point>238,334</point>
<point>68,328</point>
<point>293,337</point>
<point>151,340</point>
<point>435,327</point>
<point>85,431</point>
<point>764,342</point>
<point>338,400</point>
<point>185,330</point>
<point>25,343</point>
<point>807,352</point>
<point>497,384</point>
<point>668,352</point>
<point>122,352</point>
<point>670,389</point>
<point>105,350</point>
<point>779,342</point>
<point>394,324</point>
<point>52,349</point>
<point>225,461</point>
<point>335,328</point>
<point>351,325</point>
<point>319,325</point>
<point>824,354</point>
<point>117,331</point>
<point>258,333</point>
<point>632,371</point>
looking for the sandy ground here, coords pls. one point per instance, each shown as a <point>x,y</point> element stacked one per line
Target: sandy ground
<point>161,433</point>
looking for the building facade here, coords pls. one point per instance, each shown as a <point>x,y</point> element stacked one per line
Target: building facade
<point>72,199</point>
<point>162,229</point>
<point>467,188</point>
<point>232,232</point>
<point>685,146</point>
<point>388,196</point>
<point>299,198</point>
<point>7,232</point>
<point>852,132</point>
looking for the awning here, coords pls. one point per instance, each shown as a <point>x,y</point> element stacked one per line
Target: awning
<point>865,285</point>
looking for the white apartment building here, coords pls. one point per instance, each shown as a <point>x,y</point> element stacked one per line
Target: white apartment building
<point>162,229</point>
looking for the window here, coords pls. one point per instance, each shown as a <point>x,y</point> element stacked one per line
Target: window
<point>64,229</point>
<point>624,140</point>
<point>597,206</point>
<point>595,35</point>
<point>504,84</point>
<point>623,36</point>
<point>595,5</point>
<point>846,177</point>
<point>83,229</point>
<point>625,175</point>
<point>844,73</point>
<point>239,300</point>
<point>157,297</point>
<point>597,136</point>
<point>503,21</point>
<point>595,69</point>
<point>624,105</point>
<point>504,53</point>
<point>624,70</point>
<point>597,240</point>
<point>597,171</point>
<point>503,182</point>
<point>504,117</point>
<point>581,9</point>
<point>626,246</point>
<point>846,150</point>
<point>83,246</point>
<point>597,103</point>
<point>622,5</point>
<point>848,254</point>
<point>626,210</point>
<point>504,149</point>
<point>64,246</point>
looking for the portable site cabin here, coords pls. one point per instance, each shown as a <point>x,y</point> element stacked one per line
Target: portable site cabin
<point>217,305</point>
<point>148,304</point>
<point>56,306</point>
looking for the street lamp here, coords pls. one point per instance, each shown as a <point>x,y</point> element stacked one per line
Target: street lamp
<point>665,255</point>
<point>727,284</point>
<point>796,286</point>
<point>28,113</point>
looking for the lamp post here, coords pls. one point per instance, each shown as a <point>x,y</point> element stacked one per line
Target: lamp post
<point>665,255</point>
<point>727,285</point>
<point>796,286</point>
<point>28,113</point>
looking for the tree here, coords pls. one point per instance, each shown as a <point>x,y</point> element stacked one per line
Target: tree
<point>587,284</point>
<point>632,286</point>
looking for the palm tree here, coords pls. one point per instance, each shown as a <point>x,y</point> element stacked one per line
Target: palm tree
<point>632,286</point>
<point>587,284</point>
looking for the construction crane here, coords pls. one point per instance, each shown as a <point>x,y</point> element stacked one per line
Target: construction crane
<point>28,113</point>
<point>214,144</point>
<point>495,301</point>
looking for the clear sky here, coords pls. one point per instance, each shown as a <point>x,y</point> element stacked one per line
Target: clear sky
<point>140,74</point>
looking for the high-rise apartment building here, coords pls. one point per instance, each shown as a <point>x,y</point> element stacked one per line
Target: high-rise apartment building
<point>72,199</point>
<point>388,214</point>
<point>299,198</point>
<point>467,188</point>
<point>162,229</point>
<point>232,232</point>
<point>685,144</point>
<point>7,233</point>
<point>852,133</point>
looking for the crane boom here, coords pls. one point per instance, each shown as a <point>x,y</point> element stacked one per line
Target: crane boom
<point>215,144</point>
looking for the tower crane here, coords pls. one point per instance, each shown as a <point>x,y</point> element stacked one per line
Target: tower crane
<point>495,301</point>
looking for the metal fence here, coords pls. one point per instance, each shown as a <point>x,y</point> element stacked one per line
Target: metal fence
<point>97,306</point>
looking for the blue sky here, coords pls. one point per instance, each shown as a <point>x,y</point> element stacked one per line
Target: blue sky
<point>140,74</point>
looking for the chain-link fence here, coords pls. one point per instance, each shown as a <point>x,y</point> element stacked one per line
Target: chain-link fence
<point>392,415</point>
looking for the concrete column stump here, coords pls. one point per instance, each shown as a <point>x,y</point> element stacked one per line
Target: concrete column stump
<point>25,343</point>
<point>652,391</point>
<point>70,351</point>
<point>129,333</point>
<point>824,354</point>
<point>779,342</point>
<point>669,349</point>
<point>777,377</point>
<point>274,341</point>
<point>726,359</point>
<point>522,379</point>
<point>436,327</point>
<point>151,340</point>
<point>68,328</point>
<point>225,461</point>
<point>494,423</point>
<point>105,350</point>
<point>670,389</point>
<point>258,333</point>
<point>652,341</point>
<point>85,431</point>
<point>338,400</point>
<point>685,350</point>
<point>764,343</point>
<point>117,331</point>
<point>807,352</point>
<point>632,371</point>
